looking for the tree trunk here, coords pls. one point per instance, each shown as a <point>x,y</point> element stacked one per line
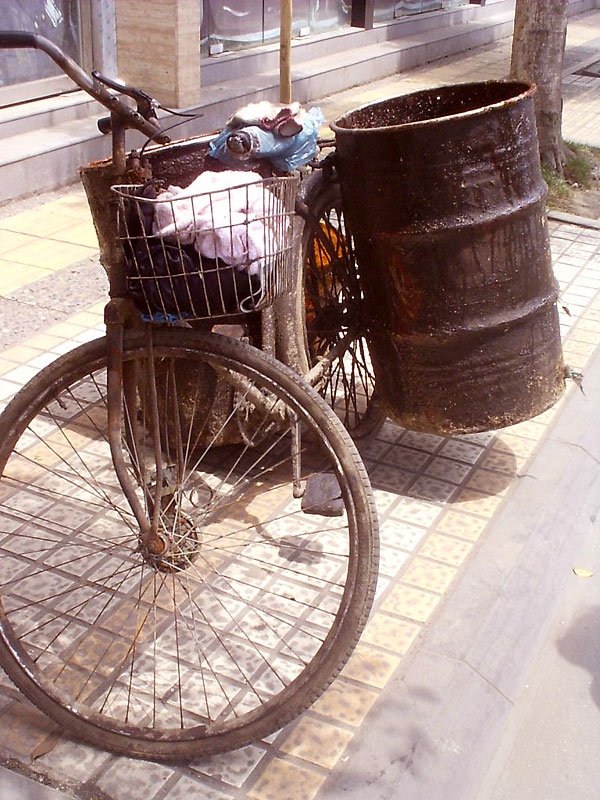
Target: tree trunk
<point>537,55</point>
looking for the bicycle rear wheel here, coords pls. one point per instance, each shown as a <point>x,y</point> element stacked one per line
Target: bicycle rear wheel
<point>333,300</point>
<point>258,598</point>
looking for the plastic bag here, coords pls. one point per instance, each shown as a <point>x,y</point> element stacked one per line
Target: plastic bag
<point>285,153</point>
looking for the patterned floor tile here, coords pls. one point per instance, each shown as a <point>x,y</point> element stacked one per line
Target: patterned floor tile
<point>461,451</point>
<point>345,702</point>
<point>427,488</point>
<point>428,442</point>
<point>231,768</point>
<point>430,575</point>
<point>282,780</point>
<point>489,482</point>
<point>408,601</point>
<point>390,633</point>
<point>73,760</point>
<point>466,526</point>
<point>127,779</point>
<point>316,741</point>
<point>394,533</point>
<point>448,469</point>
<point>405,458</point>
<point>391,561</point>
<point>190,789</point>
<point>26,732</point>
<point>477,502</point>
<point>417,512</point>
<point>370,667</point>
<point>447,549</point>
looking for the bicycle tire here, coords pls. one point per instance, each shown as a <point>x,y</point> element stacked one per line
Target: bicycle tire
<point>333,302</point>
<point>247,621</point>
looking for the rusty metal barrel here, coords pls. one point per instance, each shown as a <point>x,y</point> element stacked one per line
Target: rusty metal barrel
<point>445,199</point>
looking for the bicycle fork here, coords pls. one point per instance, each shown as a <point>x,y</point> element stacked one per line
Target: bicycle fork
<point>122,404</point>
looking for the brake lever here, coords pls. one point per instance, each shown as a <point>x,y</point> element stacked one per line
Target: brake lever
<point>146,105</point>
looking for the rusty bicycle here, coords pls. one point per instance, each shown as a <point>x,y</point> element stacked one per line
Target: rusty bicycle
<point>189,539</point>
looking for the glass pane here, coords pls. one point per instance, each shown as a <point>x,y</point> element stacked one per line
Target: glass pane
<point>327,15</point>
<point>239,24</point>
<point>57,20</point>
<point>386,10</point>
<point>235,24</point>
<point>416,6</point>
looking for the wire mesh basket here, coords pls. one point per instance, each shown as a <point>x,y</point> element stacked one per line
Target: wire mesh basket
<point>200,254</point>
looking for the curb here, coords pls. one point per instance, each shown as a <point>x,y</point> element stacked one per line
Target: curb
<point>574,219</point>
<point>20,787</point>
<point>435,730</point>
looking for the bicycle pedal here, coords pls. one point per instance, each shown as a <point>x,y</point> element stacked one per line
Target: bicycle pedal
<point>323,496</point>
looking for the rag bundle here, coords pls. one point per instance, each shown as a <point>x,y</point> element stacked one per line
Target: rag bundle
<point>224,215</point>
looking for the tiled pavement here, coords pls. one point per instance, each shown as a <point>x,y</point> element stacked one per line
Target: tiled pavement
<point>436,497</point>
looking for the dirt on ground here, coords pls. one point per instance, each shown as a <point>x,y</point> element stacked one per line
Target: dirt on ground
<point>575,198</point>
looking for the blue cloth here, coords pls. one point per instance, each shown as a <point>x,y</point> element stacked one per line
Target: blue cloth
<point>286,153</point>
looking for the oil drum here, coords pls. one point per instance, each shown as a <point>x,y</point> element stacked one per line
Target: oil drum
<point>445,199</point>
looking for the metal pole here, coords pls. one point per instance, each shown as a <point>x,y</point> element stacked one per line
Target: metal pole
<point>285,52</point>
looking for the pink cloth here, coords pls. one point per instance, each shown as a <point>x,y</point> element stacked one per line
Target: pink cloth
<point>224,215</point>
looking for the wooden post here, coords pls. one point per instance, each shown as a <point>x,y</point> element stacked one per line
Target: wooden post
<point>285,52</point>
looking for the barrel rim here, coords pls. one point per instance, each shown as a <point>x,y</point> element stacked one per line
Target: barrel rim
<point>529,89</point>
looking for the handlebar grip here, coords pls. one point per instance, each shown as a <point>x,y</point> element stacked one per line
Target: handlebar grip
<point>15,39</point>
<point>104,125</point>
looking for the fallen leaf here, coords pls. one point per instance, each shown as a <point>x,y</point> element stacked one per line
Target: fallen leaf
<point>582,573</point>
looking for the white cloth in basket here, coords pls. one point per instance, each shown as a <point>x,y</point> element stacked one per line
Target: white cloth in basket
<point>225,215</point>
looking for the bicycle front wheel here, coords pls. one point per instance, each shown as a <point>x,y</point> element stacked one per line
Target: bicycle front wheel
<point>259,596</point>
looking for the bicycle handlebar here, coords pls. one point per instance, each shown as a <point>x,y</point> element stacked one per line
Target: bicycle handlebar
<point>129,116</point>
<point>15,39</point>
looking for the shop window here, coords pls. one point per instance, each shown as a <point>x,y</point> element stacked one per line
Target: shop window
<point>240,24</point>
<point>25,74</point>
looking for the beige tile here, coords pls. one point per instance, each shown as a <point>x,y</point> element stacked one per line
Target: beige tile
<point>508,463</point>
<point>87,318</point>
<point>589,324</point>
<point>345,702</point>
<point>465,526</point>
<point>370,667</point>
<point>582,349</point>
<point>73,205</point>
<point>509,443</point>
<point>65,330</point>
<point>430,575</point>
<point>489,482</point>
<point>477,503</point>
<point>282,780</point>
<point>9,240</point>
<point>14,276</point>
<point>83,233</point>
<point>581,335</point>
<point>20,354</point>
<point>40,221</point>
<point>49,254</point>
<point>315,741</point>
<point>408,601</point>
<point>390,633</point>
<point>446,548</point>
<point>530,429</point>
<point>5,366</point>
<point>45,341</point>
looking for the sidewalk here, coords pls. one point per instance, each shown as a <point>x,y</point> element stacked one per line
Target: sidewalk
<point>479,536</point>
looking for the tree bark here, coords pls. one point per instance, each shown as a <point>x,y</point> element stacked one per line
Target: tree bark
<point>538,47</point>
